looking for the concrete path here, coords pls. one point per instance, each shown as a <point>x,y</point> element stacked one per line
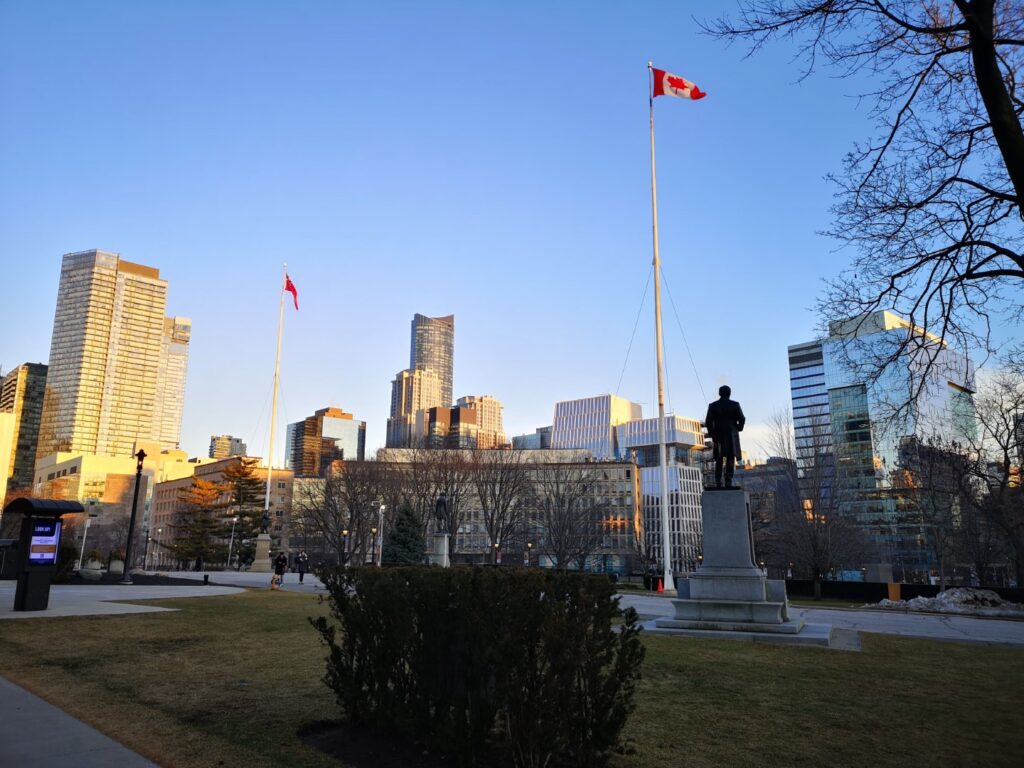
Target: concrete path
<point>96,600</point>
<point>928,626</point>
<point>34,734</point>
<point>310,583</point>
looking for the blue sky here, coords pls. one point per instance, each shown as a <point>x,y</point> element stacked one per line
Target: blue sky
<point>487,160</point>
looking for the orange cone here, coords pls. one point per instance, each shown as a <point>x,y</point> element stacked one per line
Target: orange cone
<point>661,584</point>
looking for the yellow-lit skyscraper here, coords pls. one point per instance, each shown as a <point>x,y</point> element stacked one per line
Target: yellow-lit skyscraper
<point>433,347</point>
<point>114,372</point>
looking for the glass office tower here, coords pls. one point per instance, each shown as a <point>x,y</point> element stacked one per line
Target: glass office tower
<point>847,430</point>
<point>433,347</point>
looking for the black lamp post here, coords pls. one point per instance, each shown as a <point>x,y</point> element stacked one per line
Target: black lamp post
<point>127,577</point>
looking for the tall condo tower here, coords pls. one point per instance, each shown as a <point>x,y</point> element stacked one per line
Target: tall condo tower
<point>104,387</point>
<point>433,347</point>
<point>21,394</point>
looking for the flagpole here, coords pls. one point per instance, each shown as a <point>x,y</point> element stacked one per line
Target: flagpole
<point>273,407</point>
<point>668,582</point>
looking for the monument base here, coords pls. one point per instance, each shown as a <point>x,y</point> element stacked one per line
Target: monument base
<point>440,554</point>
<point>729,595</point>
<point>261,561</point>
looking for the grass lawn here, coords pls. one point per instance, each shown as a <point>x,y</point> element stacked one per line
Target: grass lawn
<point>227,681</point>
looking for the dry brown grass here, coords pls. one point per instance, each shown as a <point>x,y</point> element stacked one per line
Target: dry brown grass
<point>227,681</point>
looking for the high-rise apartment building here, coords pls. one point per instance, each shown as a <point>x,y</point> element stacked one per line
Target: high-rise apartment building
<point>448,427</point>
<point>848,438</point>
<point>490,432</point>
<point>329,435</point>
<point>104,385</point>
<point>225,446</point>
<point>170,401</point>
<point>412,391</point>
<point>433,348</point>
<point>589,423</point>
<point>21,394</point>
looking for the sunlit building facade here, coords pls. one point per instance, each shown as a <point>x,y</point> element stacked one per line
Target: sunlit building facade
<point>317,442</point>
<point>846,427</point>
<point>433,348</point>
<point>589,424</point>
<point>170,400</point>
<point>21,395</point>
<point>412,391</point>
<point>224,446</point>
<point>104,384</point>
<point>490,432</point>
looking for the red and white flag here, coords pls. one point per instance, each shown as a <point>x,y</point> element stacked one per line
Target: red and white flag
<point>667,84</point>
<point>290,287</point>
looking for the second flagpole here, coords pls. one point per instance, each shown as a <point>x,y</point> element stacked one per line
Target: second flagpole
<point>667,580</point>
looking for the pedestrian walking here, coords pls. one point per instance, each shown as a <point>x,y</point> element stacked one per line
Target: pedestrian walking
<point>280,566</point>
<point>302,564</point>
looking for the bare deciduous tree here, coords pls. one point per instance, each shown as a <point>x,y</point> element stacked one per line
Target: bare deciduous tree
<point>932,203</point>
<point>568,513</point>
<point>809,530</point>
<point>501,480</point>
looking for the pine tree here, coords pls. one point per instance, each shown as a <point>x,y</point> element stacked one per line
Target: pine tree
<point>405,544</point>
<point>199,528</point>
<point>247,497</point>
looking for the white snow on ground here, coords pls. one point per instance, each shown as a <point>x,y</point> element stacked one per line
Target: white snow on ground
<point>977,602</point>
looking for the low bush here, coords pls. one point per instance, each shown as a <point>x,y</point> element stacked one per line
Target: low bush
<point>477,661</point>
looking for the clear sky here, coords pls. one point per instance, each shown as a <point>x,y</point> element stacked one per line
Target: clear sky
<point>486,160</point>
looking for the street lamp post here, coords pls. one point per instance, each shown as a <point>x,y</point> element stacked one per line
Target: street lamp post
<point>527,555</point>
<point>380,528</point>
<point>343,558</point>
<point>373,553</point>
<point>231,543</point>
<point>497,553</point>
<point>127,578</point>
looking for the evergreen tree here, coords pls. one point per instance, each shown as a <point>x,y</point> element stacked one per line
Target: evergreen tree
<point>199,528</point>
<point>247,496</point>
<point>405,544</point>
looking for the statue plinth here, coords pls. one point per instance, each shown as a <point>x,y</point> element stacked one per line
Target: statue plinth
<point>729,594</point>
<point>440,554</point>
<point>261,561</point>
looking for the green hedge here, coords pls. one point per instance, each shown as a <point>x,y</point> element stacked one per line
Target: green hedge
<point>474,662</point>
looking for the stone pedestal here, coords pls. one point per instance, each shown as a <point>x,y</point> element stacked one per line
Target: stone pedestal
<point>440,554</point>
<point>261,562</point>
<point>729,593</point>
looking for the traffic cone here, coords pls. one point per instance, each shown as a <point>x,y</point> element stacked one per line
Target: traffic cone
<point>661,584</point>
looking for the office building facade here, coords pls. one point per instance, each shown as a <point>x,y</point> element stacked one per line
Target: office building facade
<point>104,385</point>
<point>412,391</point>
<point>21,395</point>
<point>433,348</point>
<point>589,424</point>
<point>328,436</point>
<point>490,431</point>
<point>225,446</point>
<point>170,399</point>
<point>848,436</point>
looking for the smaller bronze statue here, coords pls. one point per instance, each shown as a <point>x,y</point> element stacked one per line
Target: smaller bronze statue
<point>265,522</point>
<point>724,423</point>
<point>441,509</point>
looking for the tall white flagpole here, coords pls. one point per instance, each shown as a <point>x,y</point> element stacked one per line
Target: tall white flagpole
<point>273,407</point>
<point>668,582</point>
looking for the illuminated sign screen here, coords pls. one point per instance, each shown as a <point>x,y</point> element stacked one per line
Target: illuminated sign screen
<point>45,543</point>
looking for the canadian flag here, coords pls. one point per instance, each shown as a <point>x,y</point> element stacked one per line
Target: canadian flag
<point>667,84</point>
<point>290,287</point>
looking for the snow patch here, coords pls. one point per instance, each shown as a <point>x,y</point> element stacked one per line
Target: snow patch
<point>962,600</point>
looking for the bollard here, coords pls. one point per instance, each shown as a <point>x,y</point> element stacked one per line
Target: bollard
<point>206,578</point>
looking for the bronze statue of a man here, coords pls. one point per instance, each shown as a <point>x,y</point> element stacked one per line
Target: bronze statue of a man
<point>724,423</point>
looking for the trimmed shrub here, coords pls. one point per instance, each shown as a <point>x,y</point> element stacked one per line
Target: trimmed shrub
<point>468,661</point>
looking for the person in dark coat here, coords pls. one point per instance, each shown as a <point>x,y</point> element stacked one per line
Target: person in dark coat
<point>724,423</point>
<point>302,564</point>
<point>280,566</point>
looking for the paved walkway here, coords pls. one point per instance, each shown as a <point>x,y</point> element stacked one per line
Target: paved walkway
<point>310,583</point>
<point>98,599</point>
<point>927,626</point>
<point>34,734</point>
